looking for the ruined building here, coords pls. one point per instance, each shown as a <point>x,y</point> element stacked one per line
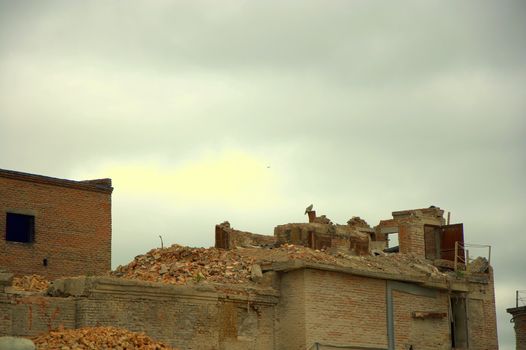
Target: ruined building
<point>54,227</point>
<point>314,285</point>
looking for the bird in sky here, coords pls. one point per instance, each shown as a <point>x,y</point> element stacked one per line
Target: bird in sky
<point>309,208</point>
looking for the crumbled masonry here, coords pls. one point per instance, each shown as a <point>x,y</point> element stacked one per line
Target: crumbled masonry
<point>182,265</point>
<point>32,283</point>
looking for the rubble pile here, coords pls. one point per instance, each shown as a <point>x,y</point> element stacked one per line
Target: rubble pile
<point>32,283</point>
<point>180,265</point>
<point>183,265</point>
<point>405,264</point>
<point>95,338</point>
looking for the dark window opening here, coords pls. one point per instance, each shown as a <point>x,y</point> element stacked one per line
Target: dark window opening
<point>20,228</point>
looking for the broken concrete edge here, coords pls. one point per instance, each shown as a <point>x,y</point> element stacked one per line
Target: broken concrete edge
<point>516,310</point>
<point>444,284</point>
<point>94,286</point>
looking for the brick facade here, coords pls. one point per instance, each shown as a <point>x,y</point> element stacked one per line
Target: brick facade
<point>308,308</point>
<point>72,225</point>
<point>185,317</point>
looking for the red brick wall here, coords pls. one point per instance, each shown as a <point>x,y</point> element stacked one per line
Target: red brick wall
<point>72,229</point>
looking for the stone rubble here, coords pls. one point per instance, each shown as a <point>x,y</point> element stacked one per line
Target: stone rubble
<point>184,265</point>
<point>96,338</point>
<point>32,283</point>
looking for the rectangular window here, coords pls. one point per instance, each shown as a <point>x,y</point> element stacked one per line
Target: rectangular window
<point>20,228</point>
<point>392,240</point>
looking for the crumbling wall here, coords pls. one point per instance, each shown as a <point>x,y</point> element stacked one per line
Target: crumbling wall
<point>336,238</point>
<point>410,227</point>
<point>228,238</point>
<point>197,317</point>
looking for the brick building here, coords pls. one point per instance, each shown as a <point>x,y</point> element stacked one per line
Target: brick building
<point>420,296</point>
<point>54,227</point>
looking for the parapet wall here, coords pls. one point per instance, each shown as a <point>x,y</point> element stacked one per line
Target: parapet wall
<point>198,317</point>
<point>228,238</point>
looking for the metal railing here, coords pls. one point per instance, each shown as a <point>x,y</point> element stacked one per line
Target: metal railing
<point>464,258</point>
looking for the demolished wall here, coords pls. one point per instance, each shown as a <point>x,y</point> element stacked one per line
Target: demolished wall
<point>228,238</point>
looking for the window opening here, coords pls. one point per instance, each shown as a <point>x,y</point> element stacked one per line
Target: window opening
<point>392,240</point>
<point>20,228</point>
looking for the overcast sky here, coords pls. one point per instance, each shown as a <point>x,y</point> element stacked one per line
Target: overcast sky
<point>248,111</point>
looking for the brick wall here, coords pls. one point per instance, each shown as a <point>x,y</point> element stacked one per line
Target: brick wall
<point>430,333</point>
<point>482,321</point>
<point>228,238</point>
<point>344,310</point>
<point>410,225</point>
<point>348,310</point>
<point>72,227</point>
<point>184,317</point>
<point>312,306</point>
<point>291,312</point>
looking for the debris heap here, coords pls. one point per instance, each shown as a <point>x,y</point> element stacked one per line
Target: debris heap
<point>95,338</point>
<point>32,283</point>
<point>182,265</point>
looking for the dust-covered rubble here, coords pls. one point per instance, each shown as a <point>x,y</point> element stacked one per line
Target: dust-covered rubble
<point>96,338</point>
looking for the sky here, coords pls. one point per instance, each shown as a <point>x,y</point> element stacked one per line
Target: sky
<point>248,111</point>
